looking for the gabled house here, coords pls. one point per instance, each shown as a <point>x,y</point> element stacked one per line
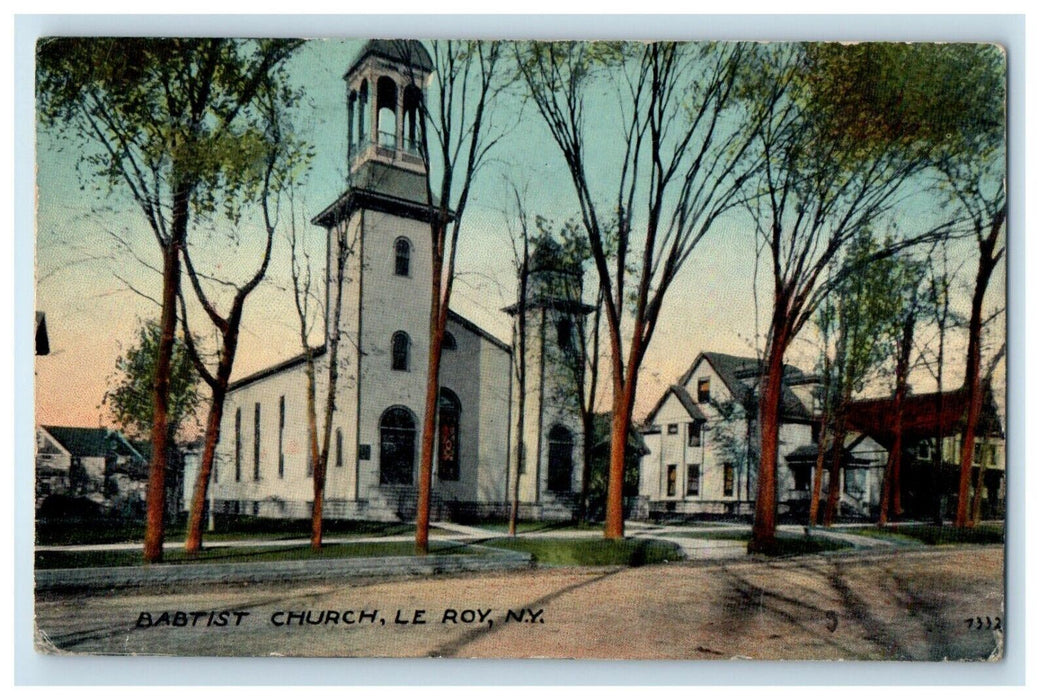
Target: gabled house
<point>98,464</point>
<point>932,433</point>
<point>702,437</point>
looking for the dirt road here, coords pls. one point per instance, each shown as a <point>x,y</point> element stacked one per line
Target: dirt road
<point>910,604</point>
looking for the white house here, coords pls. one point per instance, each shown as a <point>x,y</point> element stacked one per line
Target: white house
<point>262,467</point>
<point>702,438</point>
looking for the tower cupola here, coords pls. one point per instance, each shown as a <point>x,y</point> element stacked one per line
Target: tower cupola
<point>385,91</point>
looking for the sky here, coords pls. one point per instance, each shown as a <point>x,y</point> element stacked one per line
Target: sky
<point>96,258</point>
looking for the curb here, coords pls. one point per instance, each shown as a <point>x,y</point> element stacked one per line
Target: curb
<point>263,572</point>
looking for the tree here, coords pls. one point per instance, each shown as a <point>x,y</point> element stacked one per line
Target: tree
<point>679,169</point>
<point>271,158</point>
<point>906,287</point>
<point>319,435</point>
<point>853,320</point>
<point>456,137</point>
<point>580,359</point>
<point>846,138</point>
<point>129,397</point>
<point>162,120</point>
<point>972,171</point>
<point>522,256</point>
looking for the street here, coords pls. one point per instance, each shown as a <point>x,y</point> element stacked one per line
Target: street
<point>918,604</point>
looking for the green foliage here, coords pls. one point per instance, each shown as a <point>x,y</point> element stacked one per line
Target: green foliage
<point>862,314</point>
<point>945,97</point>
<point>130,394</point>
<point>172,117</point>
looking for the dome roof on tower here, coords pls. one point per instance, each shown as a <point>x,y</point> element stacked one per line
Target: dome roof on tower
<point>549,255</point>
<point>407,51</point>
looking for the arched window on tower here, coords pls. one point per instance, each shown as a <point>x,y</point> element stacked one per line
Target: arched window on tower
<point>412,120</point>
<point>386,94</point>
<point>403,257</point>
<point>565,335</point>
<point>363,119</point>
<point>561,458</point>
<point>450,412</point>
<point>449,343</point>
<point>352,122</point>
<point>401,351</point>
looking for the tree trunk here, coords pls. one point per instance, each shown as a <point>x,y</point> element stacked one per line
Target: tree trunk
<point>614,525</point>
<point>194,535</point>
<point>819,468</point>
<point>153,550</point>
<point>972,374</point>
<point>587,465</point>
<point>230,340</point>
<point>835,463</point>
<point>766,515</point>
<point>437,321</point>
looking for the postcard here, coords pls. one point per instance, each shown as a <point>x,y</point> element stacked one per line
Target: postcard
<point>521,349</point>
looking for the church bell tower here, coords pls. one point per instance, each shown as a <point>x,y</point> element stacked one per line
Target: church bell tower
<point>554,367</point>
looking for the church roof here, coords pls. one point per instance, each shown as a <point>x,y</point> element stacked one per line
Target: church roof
<point>409,51</point>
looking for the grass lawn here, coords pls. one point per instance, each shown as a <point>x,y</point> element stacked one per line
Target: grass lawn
<point>591,552</point>
<point>991,533</point>
<point>217,555</point>
<point>226,528</point>
<point>713,535</point>
<point>502,526</point>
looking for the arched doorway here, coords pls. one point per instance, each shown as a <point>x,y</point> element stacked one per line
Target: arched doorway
<point>561,456</point>
<point>450,418</point>
<point>396,463</point>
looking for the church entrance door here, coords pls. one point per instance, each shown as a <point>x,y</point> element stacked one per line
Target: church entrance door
<point>396,464</point>
<point>561,449</point>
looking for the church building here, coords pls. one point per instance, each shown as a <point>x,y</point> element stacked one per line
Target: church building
<point>262,466</point>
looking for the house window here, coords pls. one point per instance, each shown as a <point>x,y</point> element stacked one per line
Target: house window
<point>449,343</point>
<point>401,351</point>
<point>450,411</point>
<point>854,482</point>
<point>694,477</point>
<point>924,450</point>
<point>670,480</point>
<point>403,257</point>
<point>694,434</point>
<point>238,453</point>
<point>802,477</point>
<point>672,429</point>
<point>338,447</point>
<point>703,390</point>
<point>257,441</point>
<point>728,479</point>
<point>280,441</point>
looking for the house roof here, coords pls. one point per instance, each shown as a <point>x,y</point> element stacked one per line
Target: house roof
<point>91,442</point>
<point>43,345</point>
<point>733,371</point>
<point>689,405</point>
<point>923,415</point>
